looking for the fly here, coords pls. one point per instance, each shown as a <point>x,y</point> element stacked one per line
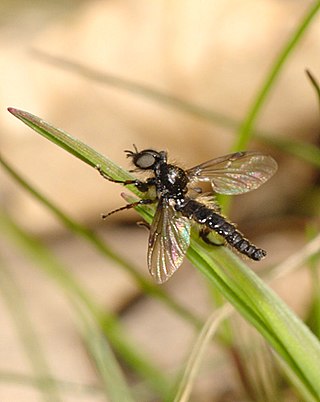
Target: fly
<point>180,202</point>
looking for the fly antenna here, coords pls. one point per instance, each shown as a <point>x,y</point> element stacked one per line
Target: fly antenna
<point>132,153</point>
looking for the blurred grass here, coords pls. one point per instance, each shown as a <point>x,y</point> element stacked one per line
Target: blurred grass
<point>101,246</point>
<point>315,84</point>
<point>113,379</point>
<point>250,296</point>
<point>27,335</point>
<point>108,323</point>
<point>245,132</point>
<point>185,384</point>
<point>65,387</point>
<point>281,328</point>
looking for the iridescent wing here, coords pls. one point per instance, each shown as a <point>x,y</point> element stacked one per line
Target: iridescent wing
<point>168,242</point>
<point>235,173</point>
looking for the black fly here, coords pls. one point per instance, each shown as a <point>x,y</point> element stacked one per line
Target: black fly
<point>179,201</point>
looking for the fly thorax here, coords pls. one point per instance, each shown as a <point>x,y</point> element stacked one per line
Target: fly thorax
<point>172,180</point>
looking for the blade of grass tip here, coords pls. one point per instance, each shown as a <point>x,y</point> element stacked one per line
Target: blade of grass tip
<point>80,390</point>
<point>50,132</point>
<point>245,131</point>
<point>146,285</point>
<point>115,387</point>
<point>93,158</point>
<point>254,316</point>
<point>13,298</point>
<point>315,84</point>
<point>197,353</point>
<point>307,152</point>
<point>108,322</point>
<point>72,145</point>
<point>304,151</point>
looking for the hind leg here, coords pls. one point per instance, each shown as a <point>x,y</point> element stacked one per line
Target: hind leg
<point>204,233</point>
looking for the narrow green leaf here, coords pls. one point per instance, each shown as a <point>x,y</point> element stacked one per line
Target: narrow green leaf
<point>245,132</point>
<point>197,353</point>
<point>315,84</point>
<point>107,321</point>
<point>258,304</point>
<point>74,389</point>
<point>299,386</point>
<point>288,335</point>
<point>30,341</point>
<point>300,149</point>
<point>71,144</point>
<point>100,245</point>
<point>116,388</point>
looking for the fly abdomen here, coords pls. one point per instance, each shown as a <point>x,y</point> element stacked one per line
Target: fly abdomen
<point>206,216</point>
<point>235,238</point>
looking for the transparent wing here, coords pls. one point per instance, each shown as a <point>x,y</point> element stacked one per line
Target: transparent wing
<point>235,173</point>
<point>168,242</point>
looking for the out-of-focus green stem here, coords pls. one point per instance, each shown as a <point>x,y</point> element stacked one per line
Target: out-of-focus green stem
<point>245,131</point>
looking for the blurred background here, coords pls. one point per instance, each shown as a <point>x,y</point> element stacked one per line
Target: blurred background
<point>173,75</point>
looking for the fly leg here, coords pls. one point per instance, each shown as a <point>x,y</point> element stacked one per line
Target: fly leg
<point>141,186</point>
<point>143,224</point>
<point>204,233</point>
<point>129,206</point>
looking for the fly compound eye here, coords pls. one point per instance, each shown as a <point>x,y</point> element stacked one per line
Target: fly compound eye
<point>145,160</point>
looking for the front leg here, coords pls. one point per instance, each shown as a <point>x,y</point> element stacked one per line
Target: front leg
<point>141,186</point>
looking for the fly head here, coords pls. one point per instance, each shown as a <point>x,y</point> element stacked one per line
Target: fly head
<point>148,159</point>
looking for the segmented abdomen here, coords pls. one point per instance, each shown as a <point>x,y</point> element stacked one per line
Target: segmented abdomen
<point>206,216</point>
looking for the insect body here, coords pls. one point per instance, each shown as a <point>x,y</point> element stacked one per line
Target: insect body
<point>180,201</point>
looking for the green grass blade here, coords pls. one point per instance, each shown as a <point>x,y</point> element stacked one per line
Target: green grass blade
<point>72,388</point>
<point>292,263</point>
<point>13,298</point>
<point>197,353</point>
<point>307,152</point>
<point>295,260</point>
<point>100,245</point>
<point>245,131</point>
<point>296,382</point>
<point>315,84</point>
<point>259,305</point>
<point>116,388</point>
<point>71,144</point>
<point>107,321</point>
<point>289,336</point>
